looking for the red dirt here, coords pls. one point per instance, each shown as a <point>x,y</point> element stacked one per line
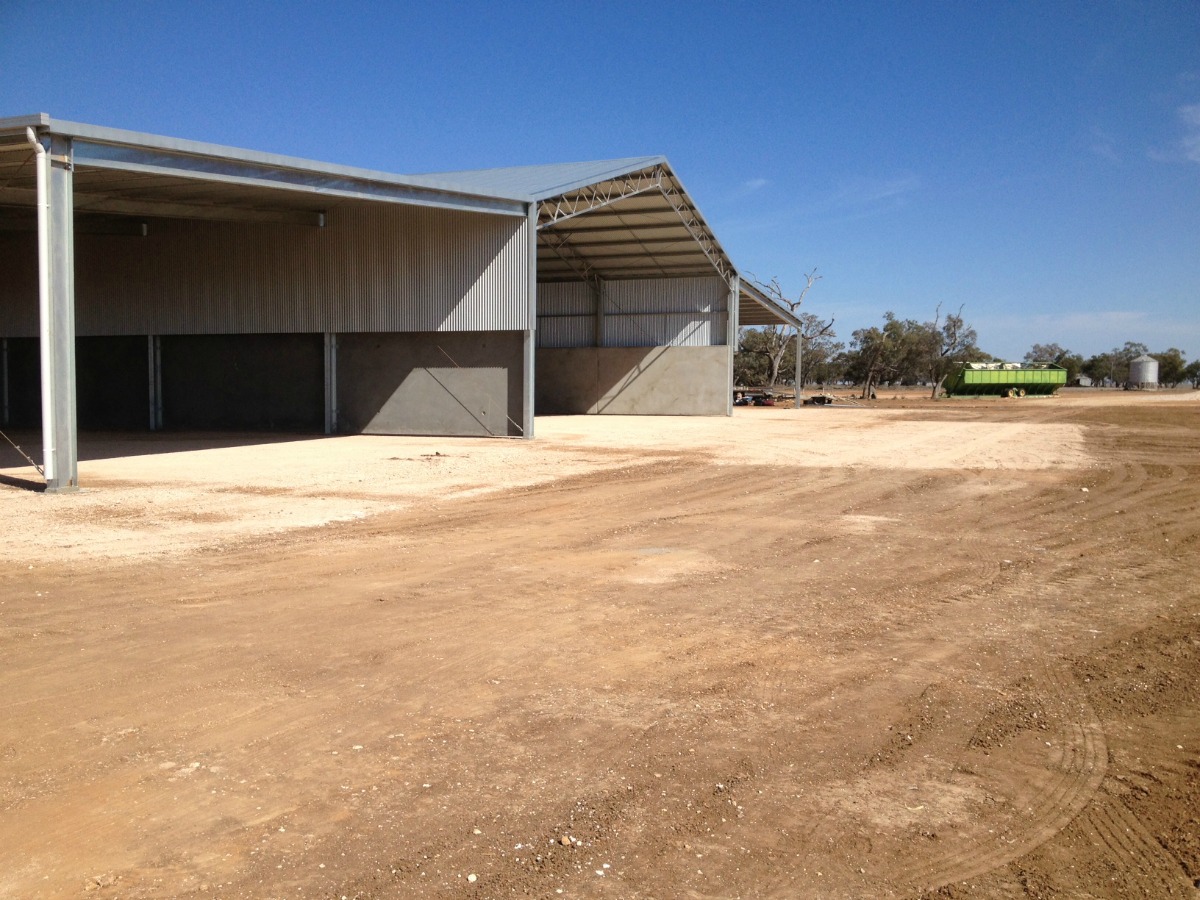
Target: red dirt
<point>711,677</point>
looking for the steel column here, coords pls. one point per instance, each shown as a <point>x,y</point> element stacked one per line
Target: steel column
<point>4,381</point>
<point>56,272</point>
<point>331,412</point>
<point>530,347</point>
<point>731,334</point>
<point>154,373</point>
<point>799,366</point>
<point>598,292</point>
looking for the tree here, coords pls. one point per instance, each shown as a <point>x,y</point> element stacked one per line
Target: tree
<point>776,339</point>
<point>750,363</point>
<point>1057,356</point>
<point>1046,353</point>
<point>821,350</point>
<point>1170,367</point>
<point>1113,366</point>
<point>947,344</point>
<point>1191,373</point>
<point>908,351</point>
<point>878,354</point>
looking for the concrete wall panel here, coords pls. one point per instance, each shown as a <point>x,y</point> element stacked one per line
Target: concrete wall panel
<point>631,381</point>
<point>441,383</point>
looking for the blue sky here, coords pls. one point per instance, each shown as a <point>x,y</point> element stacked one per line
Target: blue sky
<point>1037,163</point>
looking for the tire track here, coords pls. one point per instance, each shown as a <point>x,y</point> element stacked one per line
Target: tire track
<point>1129,844</point>
<point>1078,770</point>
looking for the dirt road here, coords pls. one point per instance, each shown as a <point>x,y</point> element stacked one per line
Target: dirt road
<point>944,649</point>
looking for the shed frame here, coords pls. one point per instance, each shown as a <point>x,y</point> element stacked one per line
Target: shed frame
<point>595,224</point>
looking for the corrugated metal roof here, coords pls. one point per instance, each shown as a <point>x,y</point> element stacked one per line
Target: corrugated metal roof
<point>537,182</point>
<point>645,233</point>
<point>174,165</point>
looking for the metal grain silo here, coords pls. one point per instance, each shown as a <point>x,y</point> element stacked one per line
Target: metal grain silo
<point>1143,372</point>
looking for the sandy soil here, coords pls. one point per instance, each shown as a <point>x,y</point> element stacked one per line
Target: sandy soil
<point>911,649</point>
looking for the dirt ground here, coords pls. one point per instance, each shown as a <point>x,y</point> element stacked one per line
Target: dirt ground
<point>913,649</point>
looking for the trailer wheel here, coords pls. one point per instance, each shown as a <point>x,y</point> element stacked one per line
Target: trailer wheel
<point>1020,392</point>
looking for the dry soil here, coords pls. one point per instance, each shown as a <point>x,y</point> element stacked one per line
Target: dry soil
<point>908,649</point>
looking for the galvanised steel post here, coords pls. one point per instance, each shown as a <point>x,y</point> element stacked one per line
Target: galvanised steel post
<point>731,334</point>
<point>530,335</point>
<point>56,310</point>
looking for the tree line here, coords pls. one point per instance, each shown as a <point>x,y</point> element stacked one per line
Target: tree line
<point>1112,368</point>
<point>909,352</point>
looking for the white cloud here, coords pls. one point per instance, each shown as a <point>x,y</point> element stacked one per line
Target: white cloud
<point>755,184</point>
<point>1104,146</point>
<point>869,191</point>
<point>1190,116</point>
<point>1188,147</point>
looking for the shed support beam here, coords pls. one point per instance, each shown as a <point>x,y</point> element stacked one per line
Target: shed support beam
<point>56,284</point>
<point>598,292</point>
<point>154,359</point>
<point>4,381</point>
<point>530,337</point>
<point>331,411</point>
<point>731,334</point>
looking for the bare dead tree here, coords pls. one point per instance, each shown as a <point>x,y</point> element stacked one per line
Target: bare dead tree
<point>949,339</point>
<point>780,335</point>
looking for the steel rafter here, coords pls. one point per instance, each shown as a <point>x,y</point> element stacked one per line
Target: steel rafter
<point>698,230</point>
<point>656,178</point>
<point>596,196</point>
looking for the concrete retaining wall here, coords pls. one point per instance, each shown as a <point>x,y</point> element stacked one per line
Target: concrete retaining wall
<point>467,383</point>
<point>633,381</point>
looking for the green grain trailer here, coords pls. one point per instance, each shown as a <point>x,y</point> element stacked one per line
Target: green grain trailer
<point>1005,379</point>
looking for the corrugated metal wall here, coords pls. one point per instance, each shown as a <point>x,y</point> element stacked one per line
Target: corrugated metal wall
<point>566,315</point>
<point>660,312</point>
<point>373,267</point>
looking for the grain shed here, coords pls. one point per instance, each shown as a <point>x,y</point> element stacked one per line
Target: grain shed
<point>151,282</point>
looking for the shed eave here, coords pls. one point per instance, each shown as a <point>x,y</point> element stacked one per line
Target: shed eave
<point>764,306</point>
<point>136,151</point>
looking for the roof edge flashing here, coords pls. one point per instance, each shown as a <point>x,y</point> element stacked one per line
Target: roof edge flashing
<point>200,152</point>
<point>18,124</point>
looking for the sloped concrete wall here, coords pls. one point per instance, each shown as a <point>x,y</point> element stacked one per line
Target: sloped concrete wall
<point>633,381</point>
<point>463,383</point>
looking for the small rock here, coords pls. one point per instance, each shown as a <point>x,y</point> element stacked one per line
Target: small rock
<point>472,878</point>
<point>565,840</point>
